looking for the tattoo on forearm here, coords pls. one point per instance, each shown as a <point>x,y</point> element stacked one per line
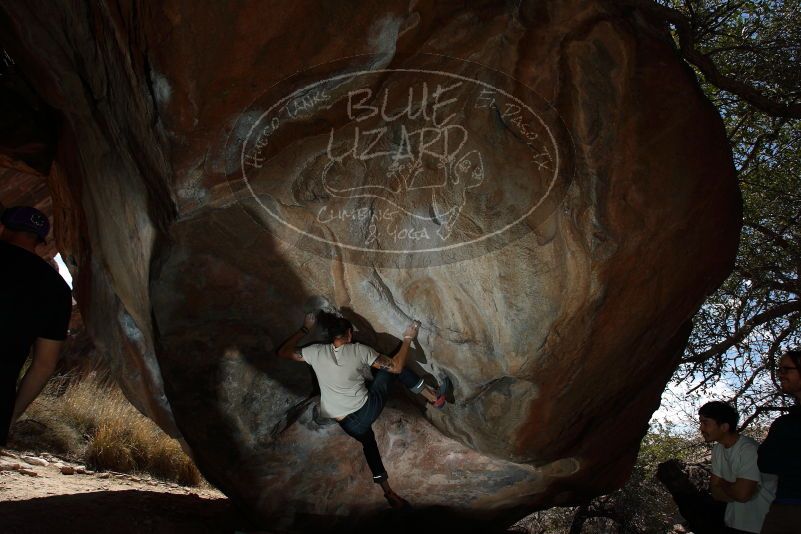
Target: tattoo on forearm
<point>384,363</point>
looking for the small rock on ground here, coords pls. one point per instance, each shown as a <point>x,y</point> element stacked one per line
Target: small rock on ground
<point>9,466</point>
<point>33,460</point>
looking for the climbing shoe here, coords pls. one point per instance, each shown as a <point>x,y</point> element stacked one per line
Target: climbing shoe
<point>442,391</point>
<point>396,502</point>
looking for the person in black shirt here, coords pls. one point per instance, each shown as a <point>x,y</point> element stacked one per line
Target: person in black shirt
<point>35,308</point>
<point>779,453</point>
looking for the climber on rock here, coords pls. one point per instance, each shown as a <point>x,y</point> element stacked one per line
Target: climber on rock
<point>345,396</point>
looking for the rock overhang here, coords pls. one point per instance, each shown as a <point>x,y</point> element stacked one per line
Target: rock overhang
<point>559,335</point>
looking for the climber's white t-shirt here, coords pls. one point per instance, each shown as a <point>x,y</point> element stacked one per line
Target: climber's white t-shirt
<point>341,373</point>
<point>740,461</point>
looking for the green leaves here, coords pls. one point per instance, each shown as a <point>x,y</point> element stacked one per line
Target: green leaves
<point>756,313</point>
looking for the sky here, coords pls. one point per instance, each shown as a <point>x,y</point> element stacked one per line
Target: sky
<point>680,410</point>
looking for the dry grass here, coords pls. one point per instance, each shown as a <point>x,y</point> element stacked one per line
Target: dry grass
<point>93,422</point>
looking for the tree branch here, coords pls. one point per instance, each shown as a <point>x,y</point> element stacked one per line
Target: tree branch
<point>773,236</point>
<point>770,189</point>
<point>713,376</point>
<point>786,285</point>
<point>747,384</point>
<point>721,15</point>
<point>757,145</point>
<point>740,333</point>
<point>759,410</point>
<point>707,67</point>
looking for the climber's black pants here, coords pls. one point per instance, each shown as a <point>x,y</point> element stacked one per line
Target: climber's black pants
<point>358,425</point>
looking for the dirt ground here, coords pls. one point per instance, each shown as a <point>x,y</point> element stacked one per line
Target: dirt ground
<point>38,499</point>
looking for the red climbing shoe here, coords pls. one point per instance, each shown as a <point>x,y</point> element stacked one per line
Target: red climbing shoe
<point>442,390</point>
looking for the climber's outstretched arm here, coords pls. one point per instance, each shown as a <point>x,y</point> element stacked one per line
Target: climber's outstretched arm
<point>395,365</point>
<point>289,349</point>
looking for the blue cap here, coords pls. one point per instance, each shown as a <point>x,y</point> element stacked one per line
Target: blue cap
<point>26,219</point>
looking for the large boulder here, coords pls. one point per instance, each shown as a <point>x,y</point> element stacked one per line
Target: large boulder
<point>542,184</point>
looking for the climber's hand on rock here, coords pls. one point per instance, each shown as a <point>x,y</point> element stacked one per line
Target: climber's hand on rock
<point>411,330</point>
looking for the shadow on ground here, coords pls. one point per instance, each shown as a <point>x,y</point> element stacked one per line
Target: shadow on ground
<point>121,512</point>
<point>133,511</point>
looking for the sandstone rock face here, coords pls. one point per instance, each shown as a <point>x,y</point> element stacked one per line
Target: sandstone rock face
<point>543,185</point>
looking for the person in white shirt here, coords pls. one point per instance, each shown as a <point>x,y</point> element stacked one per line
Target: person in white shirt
<point>340,366</point>
<point>735,477</point>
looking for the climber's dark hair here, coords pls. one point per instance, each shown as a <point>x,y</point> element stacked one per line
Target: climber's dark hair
<point>333,325</point>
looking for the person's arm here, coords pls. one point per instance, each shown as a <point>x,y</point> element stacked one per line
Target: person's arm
<point>741,490</point>
<point>746,475</point>
<point>289,349</point>
<point>396,365</point>
<point>774,451</point>
<point>716,490</point>
<point>45,358</point>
